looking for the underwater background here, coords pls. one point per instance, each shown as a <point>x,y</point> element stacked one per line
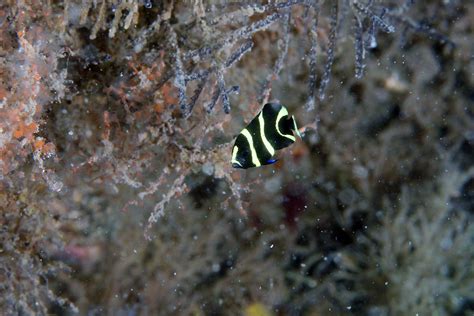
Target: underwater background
<point>117,193</point>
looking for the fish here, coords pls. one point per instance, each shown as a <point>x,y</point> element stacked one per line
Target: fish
<point>271,129</point>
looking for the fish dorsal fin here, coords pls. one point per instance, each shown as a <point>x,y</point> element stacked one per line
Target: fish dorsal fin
<point>272,108</point>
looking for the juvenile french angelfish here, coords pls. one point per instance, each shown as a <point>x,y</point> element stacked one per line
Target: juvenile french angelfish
<point>272,129</point>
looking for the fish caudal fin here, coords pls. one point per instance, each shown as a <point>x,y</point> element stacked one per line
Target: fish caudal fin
<point>294,127</point>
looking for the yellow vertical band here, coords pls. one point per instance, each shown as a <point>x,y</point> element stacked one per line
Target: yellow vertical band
<point>253,152</point>
<point>234,156</point>
<point>267,144</point>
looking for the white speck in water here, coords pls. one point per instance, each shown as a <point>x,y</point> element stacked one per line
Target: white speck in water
<point>348,308</point>
<point>216,267</point>
<point>70,133</point>
<point>271,246</point>
<point>386,283</point>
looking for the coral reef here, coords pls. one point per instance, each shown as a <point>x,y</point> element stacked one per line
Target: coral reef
<point>116,125</point>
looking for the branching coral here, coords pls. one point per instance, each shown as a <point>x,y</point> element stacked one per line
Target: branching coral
<point>187,271</point>
<point>30,79</point>
<point>417,260</point>
<point>29,239</point>
<point>426,253</point>
<point>246,20</point>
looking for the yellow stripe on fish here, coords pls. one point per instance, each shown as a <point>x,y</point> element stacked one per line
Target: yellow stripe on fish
<point>235,150</point>
<point>253,152</point>
<point>268,146</point>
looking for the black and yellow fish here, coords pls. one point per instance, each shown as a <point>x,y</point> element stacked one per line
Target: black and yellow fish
<point>270,130</point>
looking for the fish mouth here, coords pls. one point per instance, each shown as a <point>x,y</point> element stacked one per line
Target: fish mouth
<point>236,165</point>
